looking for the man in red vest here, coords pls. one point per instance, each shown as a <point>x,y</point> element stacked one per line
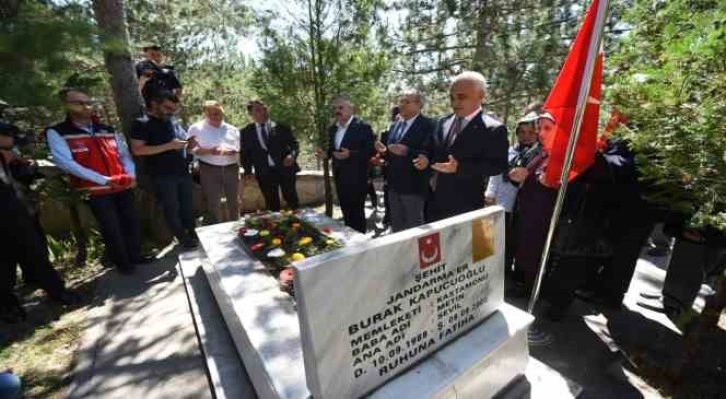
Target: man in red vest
<point>100,165</point>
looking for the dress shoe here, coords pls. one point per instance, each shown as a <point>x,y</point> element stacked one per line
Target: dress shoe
<point>144,260</point>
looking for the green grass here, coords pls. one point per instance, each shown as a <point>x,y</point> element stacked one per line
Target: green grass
<point>41,349</point>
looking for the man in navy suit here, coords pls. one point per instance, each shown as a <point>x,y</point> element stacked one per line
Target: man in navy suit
<point>350,146</point>
<point>406,150</point>
<point>271,149</point>
<point>469,146</point>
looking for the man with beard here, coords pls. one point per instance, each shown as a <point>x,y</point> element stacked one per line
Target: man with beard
<point>99,163</point>
<point>158,139</point>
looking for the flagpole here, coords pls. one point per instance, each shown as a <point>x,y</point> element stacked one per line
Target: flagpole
<point>593,51</point>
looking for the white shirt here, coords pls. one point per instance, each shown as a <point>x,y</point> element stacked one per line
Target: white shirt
<point>340,134</point>
<point>406,125</point>
<point>464,122</point>
<point>269,125</point>
<point>225,137</point>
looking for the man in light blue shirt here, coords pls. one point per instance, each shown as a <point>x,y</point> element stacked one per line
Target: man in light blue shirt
<point>100,165</point>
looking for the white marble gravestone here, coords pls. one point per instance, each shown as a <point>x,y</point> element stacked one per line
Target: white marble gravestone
<point>309,349</point>
<point>369,312</point>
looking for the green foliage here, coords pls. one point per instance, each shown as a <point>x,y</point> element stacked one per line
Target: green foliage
<point>671,82</point>
<point>192,32</point>
<point>327,49</point>
<point>519,46</point>
<point>63,251</point>
<point>220,81</point>
<point>42,46</point>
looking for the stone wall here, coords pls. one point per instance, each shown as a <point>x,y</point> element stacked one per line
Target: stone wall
<point>55,216</point>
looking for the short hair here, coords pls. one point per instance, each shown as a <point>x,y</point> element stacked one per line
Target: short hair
<point>395,110</point>
<point>251,105</point>
<point>63,93</point>
<point>342,98</point>
<point>159,96</point>
<point>415,92</point>
<point>211,104</point>
<point>471,76</point>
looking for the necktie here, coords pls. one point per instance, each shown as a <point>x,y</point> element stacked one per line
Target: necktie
<point>453,131</point>
<point>265,138</point>
<point>399,132</point>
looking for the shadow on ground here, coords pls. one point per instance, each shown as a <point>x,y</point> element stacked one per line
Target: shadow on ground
<point>658,354</point>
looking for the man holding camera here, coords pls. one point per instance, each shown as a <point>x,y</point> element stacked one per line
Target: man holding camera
<point>159,139</point>
<point>155,76</point>
<point>100,165</point>
<point>22,240</point>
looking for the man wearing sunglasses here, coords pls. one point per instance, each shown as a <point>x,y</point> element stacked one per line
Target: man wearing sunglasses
<point>100,166</point>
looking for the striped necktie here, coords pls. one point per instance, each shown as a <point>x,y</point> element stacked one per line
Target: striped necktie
<point>399,132</point>
<point>454,131</point>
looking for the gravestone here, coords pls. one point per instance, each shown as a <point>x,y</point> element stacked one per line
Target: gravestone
<point>369,312</point>
<point>439,286</point>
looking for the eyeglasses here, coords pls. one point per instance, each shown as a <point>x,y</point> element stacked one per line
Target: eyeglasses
<point>83,103</point>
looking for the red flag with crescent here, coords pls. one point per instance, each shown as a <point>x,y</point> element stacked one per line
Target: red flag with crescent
<point>429,250</point>
<point>562,104</point>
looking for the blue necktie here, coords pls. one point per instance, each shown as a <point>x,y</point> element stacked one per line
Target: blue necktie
<point>399,132</point>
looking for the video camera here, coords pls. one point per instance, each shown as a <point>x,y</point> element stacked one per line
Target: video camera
<point>20,138</point>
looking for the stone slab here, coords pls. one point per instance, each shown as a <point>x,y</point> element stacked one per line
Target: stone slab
<point>476,365</point>
<point>368,312</point>
<point>228,377</point>
<point>262,319</point>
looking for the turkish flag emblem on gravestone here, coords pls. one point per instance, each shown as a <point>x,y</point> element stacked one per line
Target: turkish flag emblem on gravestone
<point>429,250</point>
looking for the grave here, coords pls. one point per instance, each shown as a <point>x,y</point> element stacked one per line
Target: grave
<point>414,314</point>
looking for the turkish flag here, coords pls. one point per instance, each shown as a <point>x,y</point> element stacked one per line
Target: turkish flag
<point>429,250</point>
<point>562,103</point>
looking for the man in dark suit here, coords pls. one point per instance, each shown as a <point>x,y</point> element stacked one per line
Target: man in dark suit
<point>469,146</point>
<point>406,151</point>
<point>272,149</point>
<point>350,146</point>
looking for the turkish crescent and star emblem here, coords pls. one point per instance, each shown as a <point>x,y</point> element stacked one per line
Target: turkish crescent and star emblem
<point>429,250</point>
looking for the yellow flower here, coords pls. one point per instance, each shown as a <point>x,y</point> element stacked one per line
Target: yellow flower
<point>264,233</point>
<point>297,256</point>
<point>330,242</point>
<point>276,241</point>
<point>306,240</point>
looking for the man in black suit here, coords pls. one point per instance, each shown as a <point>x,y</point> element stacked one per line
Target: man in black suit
<point>469,146</point>
<point>406,151</point>
<point>350,145</point>
<point>272,149</point>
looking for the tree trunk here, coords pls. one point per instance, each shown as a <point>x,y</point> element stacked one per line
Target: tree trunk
<point>111,19</point>
<point>328,189</point>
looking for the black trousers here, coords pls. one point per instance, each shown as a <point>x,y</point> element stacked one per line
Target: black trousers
<point>272,181</point>
<point>22,241</point>
<point>352,203</point>
<point>119,223</point>
<point>690,262</point>
<point>627,237</point>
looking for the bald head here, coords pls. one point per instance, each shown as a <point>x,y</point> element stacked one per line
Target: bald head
<point>467,93</point>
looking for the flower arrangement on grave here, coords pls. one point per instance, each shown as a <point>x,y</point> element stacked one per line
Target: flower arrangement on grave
<point>280,239</point>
